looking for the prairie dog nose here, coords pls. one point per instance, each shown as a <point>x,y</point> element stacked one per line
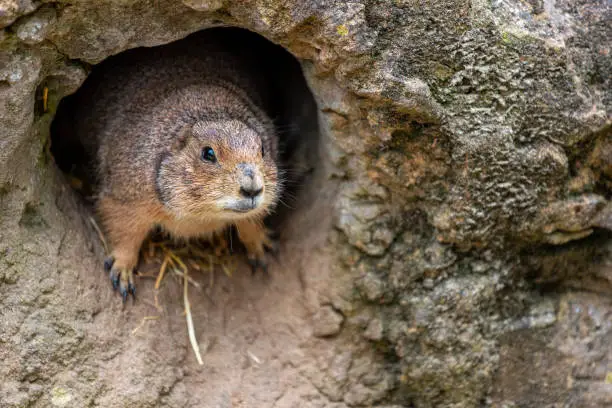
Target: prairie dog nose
<point>250,180</point>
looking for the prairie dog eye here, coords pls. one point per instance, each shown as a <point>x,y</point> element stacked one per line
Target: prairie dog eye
<point>208,154</point>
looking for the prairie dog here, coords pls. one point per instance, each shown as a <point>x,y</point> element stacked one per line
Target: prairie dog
<point>182,141</point>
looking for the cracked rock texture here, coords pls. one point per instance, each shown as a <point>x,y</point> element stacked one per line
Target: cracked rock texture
<point>454,250</point>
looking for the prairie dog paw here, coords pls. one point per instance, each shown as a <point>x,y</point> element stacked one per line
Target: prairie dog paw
<point>121,276</point>
<point>258,241</point>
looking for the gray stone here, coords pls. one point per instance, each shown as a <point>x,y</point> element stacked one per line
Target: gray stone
<point>374,331</point>
<point>34,28</point>
<point>10,10</point>
<point>372,287</point>
<point>327,322</point>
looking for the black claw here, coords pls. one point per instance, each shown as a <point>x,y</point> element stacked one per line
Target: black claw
<point>132,289</point>
<point>108,263</point>
<point>255,264</point>
<point>124,293</point>
<point>115,279</point>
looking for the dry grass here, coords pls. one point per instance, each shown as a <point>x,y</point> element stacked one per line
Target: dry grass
<point>183,258</point>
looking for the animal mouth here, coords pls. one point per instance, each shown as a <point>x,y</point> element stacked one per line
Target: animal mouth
<point>242,206</point>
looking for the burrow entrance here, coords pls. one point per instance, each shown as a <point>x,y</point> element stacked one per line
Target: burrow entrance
<point>286,98</point>
<point>247,327</point>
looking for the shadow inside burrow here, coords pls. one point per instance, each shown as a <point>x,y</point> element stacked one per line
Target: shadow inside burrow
<point>285,97</point>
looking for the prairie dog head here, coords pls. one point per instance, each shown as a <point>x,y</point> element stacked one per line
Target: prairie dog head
<point>219,170</point>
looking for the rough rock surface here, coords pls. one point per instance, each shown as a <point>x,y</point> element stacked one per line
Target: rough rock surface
<point>457,248</point>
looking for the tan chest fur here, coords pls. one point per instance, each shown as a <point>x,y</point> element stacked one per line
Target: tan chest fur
<point>191,228</point>
<point>138,218</point>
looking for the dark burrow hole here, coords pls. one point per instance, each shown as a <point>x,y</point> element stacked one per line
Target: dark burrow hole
<point>285,96</point>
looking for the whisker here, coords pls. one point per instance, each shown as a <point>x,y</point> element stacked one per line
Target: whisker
<point>285,204</point>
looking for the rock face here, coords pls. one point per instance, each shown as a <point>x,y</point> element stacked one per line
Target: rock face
<point>453,248</point>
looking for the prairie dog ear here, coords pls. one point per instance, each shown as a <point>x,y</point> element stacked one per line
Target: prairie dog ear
<point>182,137</point>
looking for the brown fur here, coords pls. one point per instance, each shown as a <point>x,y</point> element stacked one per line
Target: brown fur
<point>146,116</point>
